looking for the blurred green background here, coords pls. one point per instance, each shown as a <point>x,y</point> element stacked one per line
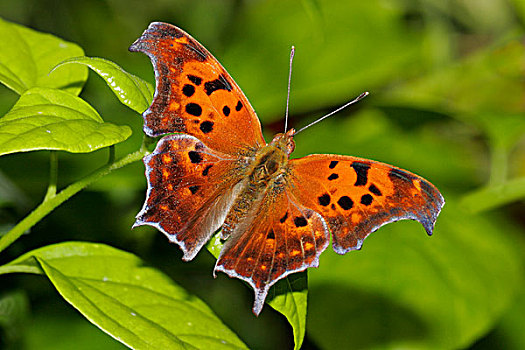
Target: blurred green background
<point>447,84</point>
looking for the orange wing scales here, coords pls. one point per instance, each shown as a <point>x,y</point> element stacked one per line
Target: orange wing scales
<point>194,93</point>
<point>190,190</point>
<point>357,196</point>
<point>283,237</point>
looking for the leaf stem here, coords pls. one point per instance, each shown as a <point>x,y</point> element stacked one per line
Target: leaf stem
<point>498,165</point>
<point>50,203</point>
<point>53,175</point>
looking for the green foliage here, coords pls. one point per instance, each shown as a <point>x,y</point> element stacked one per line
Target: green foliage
<point>130,89</point>
<point>27,57</point>
<point>425,293</point>
<point>136,305</point>
<point>52,119</point>
<point>446,83</point>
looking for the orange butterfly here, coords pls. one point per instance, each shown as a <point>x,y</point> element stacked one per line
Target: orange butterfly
<point>276,213</point>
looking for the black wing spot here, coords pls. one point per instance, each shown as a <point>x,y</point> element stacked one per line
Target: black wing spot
<point>361,170</point>
<point>238,107</point>
<point>324,200</point>
<point>270,235</point>
<point>206,126</point>
<point>299,221</point>
<point>226,111</point>
<point>206,170</point>
<point>188,90</point>
<point>194,109</point>
<point>345,202</point>
<point>193,189</point>
<point>333,163</point>
<point>218,84</point>
<point>195,157</point>
<point>375,190</point>
<point>333,176</point>
<point>283,219</point>
<point>195,80</point>
<point>367,199</point>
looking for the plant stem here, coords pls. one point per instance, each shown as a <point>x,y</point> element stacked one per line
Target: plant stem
<point>53,175</point>
<point>498,165</point>
<point>51,202</point>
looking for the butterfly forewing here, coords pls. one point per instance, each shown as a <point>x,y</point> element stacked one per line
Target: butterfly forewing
<point>194,93</point>
<point>190,190</point>
<point>357,196</point>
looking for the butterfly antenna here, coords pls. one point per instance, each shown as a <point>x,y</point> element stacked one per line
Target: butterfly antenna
<point>357,99</point>
<point>292,53</point>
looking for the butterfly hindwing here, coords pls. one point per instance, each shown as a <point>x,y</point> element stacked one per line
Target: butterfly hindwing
<point>194,93</point>
<point>357,196</point>
<point>278,238</point>
<point>190,190</point>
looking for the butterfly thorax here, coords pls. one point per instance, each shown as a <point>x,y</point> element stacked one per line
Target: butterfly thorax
<point>271,160</point>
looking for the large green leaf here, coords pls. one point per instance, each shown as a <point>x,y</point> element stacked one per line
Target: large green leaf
<point>288,296</point>
<point>485,89</point>
<point>137,305</point>
<point>51,119</point>
<point>132,91</point>
<point>406,290</point>
<point>27,57</point>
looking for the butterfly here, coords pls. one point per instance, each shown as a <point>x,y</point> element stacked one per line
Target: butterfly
<point>215,170</point>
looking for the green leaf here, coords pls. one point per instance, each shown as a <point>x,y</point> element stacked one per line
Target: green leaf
<point>135,304</point>
<point>132,91</point>
<point>406,290</point>
<point>53,330</point>
<point>51,119</point>
<point>288,296</point>
<point>27,57</point>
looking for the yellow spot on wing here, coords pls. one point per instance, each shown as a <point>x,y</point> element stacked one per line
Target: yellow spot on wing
<point>308,246</point>
<point>182,40</point>
<point>263,267</point>
<point>165,173</point>
<point>295,252</point>
<point>166,158</point>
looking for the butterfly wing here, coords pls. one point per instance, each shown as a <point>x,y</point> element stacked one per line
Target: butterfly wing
<point>194,93</point>
<point>190,190</point>
<point>357,196</point>
<point>277,238</point>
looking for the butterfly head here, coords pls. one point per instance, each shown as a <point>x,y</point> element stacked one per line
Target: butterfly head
<point>285,141</point>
